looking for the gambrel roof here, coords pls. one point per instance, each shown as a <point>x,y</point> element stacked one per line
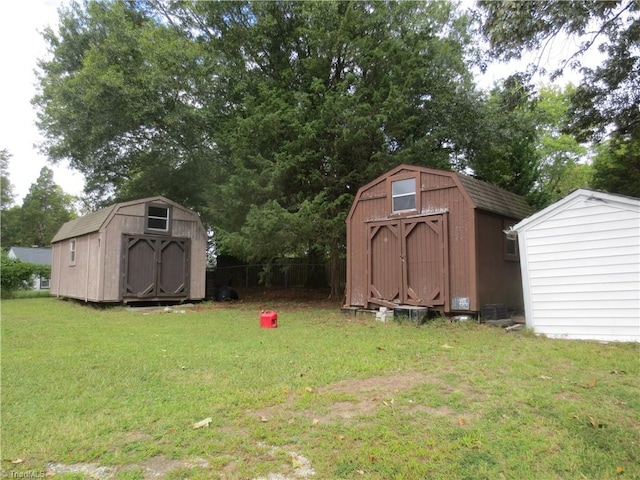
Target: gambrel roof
<point>82,225</point>
<point>482,195</point>
<point>93,222</point>
<point>488,197</point>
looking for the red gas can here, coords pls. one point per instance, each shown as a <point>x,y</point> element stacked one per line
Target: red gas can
<point>268,319</point>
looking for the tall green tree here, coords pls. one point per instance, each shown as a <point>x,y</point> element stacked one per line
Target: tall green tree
<point>523,144</point>
<point>335,93</point>
<point>44,209</point>
<point>564,163</point>
<point>121,98</point>
<point>265,116</point>
<point>605,103</point>
<point>617,166</point>
<point>6,189</point>
<point>11,227</point>
<point>606,97</point>
<point>505,153</point>
<point>9,213</point>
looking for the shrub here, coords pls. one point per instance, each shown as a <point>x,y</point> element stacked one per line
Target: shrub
<point>16,275</point>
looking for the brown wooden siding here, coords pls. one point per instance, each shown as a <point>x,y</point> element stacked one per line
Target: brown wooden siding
<point>444,194</point>
<point>499,279</point>
<point>385,274</point>
<point>378,241</point>
<point>424,259</point>
<point>372,202</point>
<point>438,194</point>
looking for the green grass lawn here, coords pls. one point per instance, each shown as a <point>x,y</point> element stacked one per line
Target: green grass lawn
<point>347,397</point>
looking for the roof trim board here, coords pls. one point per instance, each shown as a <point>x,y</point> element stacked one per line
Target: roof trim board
<point>621,201</point>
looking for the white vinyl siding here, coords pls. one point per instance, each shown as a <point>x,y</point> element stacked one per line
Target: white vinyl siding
<point>581,268</point>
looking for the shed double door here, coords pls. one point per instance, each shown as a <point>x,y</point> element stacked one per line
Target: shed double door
<point>407,261</point>
<point>156,267</point>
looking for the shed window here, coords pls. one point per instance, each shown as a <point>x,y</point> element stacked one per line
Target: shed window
<point>158,218</point>
<point>403,193</point>
<point>510,243</point>
<point>72,252</point>
<point>511,246</point>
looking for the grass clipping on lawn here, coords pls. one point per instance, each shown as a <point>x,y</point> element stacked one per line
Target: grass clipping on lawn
<point>204,392</point>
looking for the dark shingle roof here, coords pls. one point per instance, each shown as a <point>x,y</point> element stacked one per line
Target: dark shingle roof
<point>37,255</point>
<point>493,199</point>
<point>83,225</point>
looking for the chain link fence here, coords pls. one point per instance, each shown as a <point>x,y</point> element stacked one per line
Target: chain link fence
<point>287,273</point>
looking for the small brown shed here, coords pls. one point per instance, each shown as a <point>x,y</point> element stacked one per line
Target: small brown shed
<point>433,238</point>
<point>150,249</point>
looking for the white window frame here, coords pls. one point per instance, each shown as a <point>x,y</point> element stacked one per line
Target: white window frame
<point>72,251</point>
<point>149,218</point>
<point>404,195</point>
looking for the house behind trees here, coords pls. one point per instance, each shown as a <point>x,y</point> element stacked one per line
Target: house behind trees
<point>37,256</point>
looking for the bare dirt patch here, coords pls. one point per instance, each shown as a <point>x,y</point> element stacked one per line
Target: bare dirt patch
<point>366,397</point>
<point>378,385</point>
<point>297,466</point>
<point>290,298</point>
<point>156,467</point>
<point>90,470</point>
<point>134,436</point>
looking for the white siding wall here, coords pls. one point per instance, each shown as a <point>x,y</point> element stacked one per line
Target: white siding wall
<point>581,271</point>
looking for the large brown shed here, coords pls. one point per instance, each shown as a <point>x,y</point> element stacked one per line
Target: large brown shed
<point>150,249</point>
<point>433,238</point>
